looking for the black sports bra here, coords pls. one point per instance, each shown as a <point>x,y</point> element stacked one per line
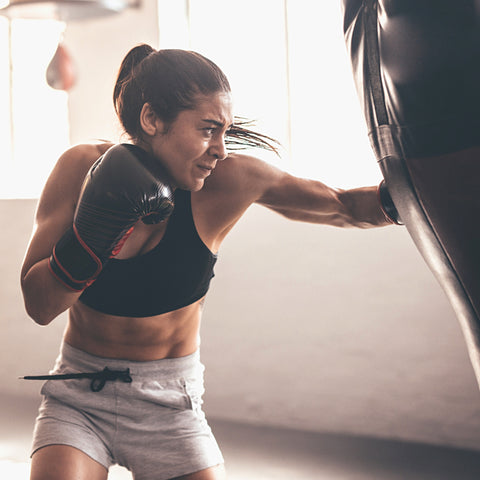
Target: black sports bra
<point>174,274</point>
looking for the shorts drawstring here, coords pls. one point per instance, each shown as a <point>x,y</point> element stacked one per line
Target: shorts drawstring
<point>99,379</point>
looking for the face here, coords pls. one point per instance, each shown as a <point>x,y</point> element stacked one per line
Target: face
<point>193,144</point>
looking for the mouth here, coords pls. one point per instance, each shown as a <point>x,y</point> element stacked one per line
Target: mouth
<point>207,169</point>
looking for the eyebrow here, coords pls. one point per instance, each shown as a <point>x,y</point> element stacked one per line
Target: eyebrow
<point>215,122</point>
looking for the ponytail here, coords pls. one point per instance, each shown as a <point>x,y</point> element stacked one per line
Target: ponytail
<point>127,97</point>
<point>241,136</point>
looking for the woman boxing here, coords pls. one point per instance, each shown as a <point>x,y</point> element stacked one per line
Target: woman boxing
<point>126,238</point>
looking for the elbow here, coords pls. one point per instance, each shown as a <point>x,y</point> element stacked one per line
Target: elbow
<point>38,314</point>
<point>35,305</point>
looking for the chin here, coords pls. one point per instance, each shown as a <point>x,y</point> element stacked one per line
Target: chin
<point>197,187</point>
<point>194,186</point>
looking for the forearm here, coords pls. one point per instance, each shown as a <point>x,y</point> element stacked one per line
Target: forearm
<point>44,296</point>
<point>307,200</point>
<point>358,208</point>
<point>363,208</point>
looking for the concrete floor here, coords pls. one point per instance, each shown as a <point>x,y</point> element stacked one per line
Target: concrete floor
<point>278,454</point>
<point>258,453</point>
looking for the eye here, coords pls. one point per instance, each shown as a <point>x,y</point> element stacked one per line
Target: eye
<point>209,130</point>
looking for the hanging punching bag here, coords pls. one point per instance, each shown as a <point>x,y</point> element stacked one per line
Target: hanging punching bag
<point>60,73</point>
<point>416,65</point>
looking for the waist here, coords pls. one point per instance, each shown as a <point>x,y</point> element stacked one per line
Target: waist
<point>171,335</point>
<point>79,360</point>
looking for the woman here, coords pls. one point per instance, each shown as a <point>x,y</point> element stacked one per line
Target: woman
<point>134,320</point>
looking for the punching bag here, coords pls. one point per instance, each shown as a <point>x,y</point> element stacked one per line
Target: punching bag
<point>416,66</point>
<point>60,73</point>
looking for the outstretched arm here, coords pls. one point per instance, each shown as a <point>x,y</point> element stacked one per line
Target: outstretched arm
<point>312,201</point>
<point>307,200</point>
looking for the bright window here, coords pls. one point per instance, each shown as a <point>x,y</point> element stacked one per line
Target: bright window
<point>33,117</point>
<point>286,61</point>
<point>289,70</point>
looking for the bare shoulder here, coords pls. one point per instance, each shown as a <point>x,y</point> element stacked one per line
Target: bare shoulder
<point>66,178</point>
<point>236,183</point>
<point>81,157</point>
<point>243,174</point>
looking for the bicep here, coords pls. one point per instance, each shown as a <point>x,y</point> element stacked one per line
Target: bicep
<point>55,209</point>
<point>46,233</point>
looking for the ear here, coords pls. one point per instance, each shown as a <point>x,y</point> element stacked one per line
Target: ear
<point>149,121</point>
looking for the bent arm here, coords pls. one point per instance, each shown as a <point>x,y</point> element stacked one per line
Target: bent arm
<point>44,296</point>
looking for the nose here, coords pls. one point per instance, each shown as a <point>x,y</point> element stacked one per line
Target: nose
<point>218,149</point>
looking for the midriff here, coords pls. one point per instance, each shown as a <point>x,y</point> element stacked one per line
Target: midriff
<point>170,335</point>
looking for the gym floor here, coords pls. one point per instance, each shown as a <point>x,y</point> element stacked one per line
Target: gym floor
<point>257,453</point>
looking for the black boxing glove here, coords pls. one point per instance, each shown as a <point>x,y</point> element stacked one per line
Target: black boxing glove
<point>386,203</point>
<point>125,185</point>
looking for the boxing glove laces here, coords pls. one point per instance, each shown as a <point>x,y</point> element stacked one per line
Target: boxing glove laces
<point>125,185</point>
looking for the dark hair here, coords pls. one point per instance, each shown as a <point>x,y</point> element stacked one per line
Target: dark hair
<point>170,81</point>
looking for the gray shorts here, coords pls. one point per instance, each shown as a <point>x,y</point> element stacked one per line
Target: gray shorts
<point>153,426</point>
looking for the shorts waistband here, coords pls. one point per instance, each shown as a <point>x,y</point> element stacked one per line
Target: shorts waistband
<point>165,367</point>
